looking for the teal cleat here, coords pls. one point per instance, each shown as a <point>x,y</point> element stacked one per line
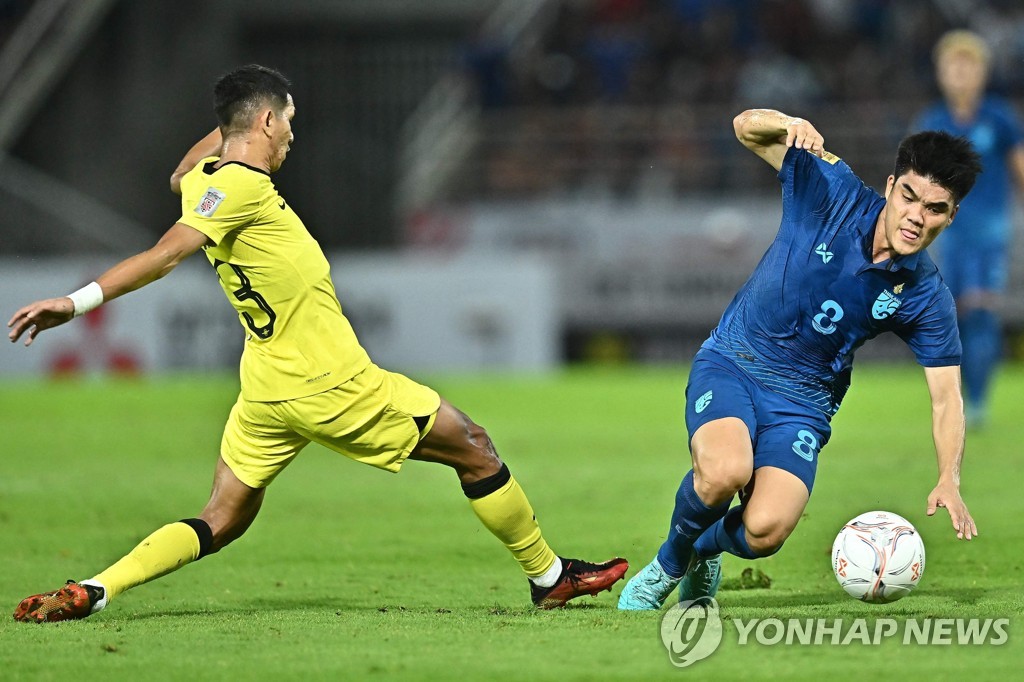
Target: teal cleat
<point>648,589</point>
<point>702,578</point>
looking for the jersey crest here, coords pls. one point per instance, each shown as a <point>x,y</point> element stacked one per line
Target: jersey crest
<point>886,304</point>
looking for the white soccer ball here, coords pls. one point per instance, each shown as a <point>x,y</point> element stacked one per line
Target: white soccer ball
<point>878,557</point>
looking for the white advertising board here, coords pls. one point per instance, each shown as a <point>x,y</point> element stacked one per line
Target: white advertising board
<point>412,313</point>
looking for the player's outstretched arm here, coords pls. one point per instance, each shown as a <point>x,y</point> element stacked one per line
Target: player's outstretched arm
<point>178,243</point>
<point>948,432</point>
<point>208,146</point>
<point>769,133</point>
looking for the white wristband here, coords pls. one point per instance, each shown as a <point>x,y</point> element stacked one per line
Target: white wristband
<point>87,298</point>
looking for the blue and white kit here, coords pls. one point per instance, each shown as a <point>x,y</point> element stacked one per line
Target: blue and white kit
<point>781,357</point>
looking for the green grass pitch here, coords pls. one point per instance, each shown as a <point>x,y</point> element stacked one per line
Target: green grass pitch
<point>352,573</point>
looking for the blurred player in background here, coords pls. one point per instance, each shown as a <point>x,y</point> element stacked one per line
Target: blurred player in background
<point>304,375</point>
<point>845,266</point>
<point>973,257</point>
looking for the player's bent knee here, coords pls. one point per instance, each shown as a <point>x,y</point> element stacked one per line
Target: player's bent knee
<point>766,539</point>
<point>464,445</point>
<point>479,439</point>
<point>457,442</point>
<point>476,450</point>
<point>766,545</point>
<point>454,431</point>
<point>721,481</point>
<point>478,461</point>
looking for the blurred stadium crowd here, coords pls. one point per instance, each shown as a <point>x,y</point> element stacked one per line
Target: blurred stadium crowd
<point>593,134</point>
<point>416,107</point>
<point>742,52</point>
<point>636,96</point>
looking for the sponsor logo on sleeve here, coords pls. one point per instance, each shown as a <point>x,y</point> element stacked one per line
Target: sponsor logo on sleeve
<point>210,202</point>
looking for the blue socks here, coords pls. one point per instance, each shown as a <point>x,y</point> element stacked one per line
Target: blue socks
<point>982,342</point>
<point>690,518</point>
<point>728,534</point>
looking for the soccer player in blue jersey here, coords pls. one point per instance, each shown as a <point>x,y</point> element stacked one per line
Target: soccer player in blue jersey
<point>847,264</point>
<point>973,256</point>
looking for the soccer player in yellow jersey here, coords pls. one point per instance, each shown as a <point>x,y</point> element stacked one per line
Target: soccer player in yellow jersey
<point>304,376</point>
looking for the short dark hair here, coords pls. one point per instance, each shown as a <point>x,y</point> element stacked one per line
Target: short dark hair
<point>945,159</point>
<point>238,95</point>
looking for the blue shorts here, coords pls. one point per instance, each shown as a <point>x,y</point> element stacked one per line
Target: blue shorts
<point>784,434</point>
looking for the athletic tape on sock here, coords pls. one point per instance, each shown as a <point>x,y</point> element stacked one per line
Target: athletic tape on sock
<point>486,486</point>
<point>203,532</point>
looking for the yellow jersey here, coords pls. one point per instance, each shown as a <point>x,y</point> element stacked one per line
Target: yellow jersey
<point>298,342</point>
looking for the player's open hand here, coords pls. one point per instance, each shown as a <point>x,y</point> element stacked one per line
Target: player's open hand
<point>38,316</point>
<point>802,135</point>
<point>948,495</point>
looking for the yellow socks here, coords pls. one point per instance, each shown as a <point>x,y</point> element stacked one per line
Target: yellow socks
<point>497,500</point>
<point>167,549</point>
<point>502,507</point>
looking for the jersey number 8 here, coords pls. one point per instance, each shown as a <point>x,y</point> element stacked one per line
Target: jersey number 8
<point>831,312</point>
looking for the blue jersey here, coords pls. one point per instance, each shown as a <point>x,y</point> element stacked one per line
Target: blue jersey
<point>984,217</point>
<point>816,297</point>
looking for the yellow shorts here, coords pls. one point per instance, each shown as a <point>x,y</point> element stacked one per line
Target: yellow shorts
<point>371,418</point>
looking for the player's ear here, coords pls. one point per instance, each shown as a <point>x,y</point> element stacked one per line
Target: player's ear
<point>267,120</point>
<point>889,185</point>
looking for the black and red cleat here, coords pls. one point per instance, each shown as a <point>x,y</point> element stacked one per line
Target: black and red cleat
<point>70,602</point>
<point>578,578</point>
